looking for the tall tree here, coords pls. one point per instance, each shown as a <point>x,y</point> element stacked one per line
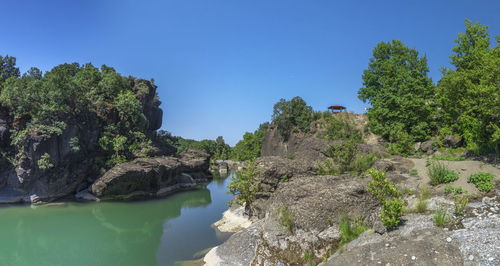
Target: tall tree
<point>8,68</point>
<point>293,114</point>
<point>399,91</point>
<point>469,95</point>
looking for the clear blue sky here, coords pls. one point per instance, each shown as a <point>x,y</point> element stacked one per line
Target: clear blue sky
<point>220,65</point>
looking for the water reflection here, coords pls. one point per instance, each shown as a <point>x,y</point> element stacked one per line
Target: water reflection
<point>156,232</point>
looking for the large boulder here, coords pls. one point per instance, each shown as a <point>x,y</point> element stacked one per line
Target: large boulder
<point>428,146</point>
<point>452,141</point>
<point>151,177</point>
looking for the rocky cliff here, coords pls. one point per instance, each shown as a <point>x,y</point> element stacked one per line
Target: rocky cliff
<point>74,167</point>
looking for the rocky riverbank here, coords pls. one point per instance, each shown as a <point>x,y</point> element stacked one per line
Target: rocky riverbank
<point>296,215</point>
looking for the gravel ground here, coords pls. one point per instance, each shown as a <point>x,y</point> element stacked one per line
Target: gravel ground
<point>479,241</point>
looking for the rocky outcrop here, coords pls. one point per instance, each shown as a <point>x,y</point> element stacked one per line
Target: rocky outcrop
<point>315,204</point>
<point>298,146</point>
<point>152,177</point>
<point>418,242</point>
<point>71,154</point>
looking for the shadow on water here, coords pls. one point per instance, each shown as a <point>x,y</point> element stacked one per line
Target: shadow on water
<point>155,232</point>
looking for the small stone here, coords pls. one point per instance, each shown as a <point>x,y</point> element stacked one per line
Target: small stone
<point>413,258</point>
<point>448,239</point>
<point>471,257</point>
<point>387,244</point>
<point>405,255</point>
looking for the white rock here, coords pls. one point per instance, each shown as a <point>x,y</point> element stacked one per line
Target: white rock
<point>448,239</point>
<point>471,257</point>
<point>413,258</point>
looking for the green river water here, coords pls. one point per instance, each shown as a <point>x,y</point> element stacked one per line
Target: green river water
<point>154,232</point>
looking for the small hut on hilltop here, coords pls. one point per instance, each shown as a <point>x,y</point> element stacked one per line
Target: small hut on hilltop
<point>337,108</point>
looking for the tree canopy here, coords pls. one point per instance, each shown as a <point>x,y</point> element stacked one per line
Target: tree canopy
<point>290,115</point>
<point>469,95</point>
<point>399,91</point>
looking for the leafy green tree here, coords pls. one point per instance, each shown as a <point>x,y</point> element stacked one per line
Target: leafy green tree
<point>245,184</point>
<point>8,68</point>
<point>250,146</point>
<point>469,95</point>
<point>44,104</point>
<point>290,115</point>
<point>400,93</point>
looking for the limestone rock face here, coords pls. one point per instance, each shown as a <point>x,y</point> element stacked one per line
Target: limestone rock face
<point>150,177</point>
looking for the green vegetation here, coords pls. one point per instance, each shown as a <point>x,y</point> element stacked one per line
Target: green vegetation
<point>389,196</point>
<point>292,115</point>
<point>309,258</point>
<point>441,218</point>
<point>413,172</point>
<point>287,219</point>
<point>449,189</point>
<point>250,146</point>
<point>448,157</point>
<point>345,158</point>
<point>350,230</point>
<point>44,162</point>
<point>483,181</point>
<point>397,87</point>
<point>440,174</point>
<point>421,205</point>
<point>245,184</point>
<point>408,107</point>
<point>460,204</point>
<point>45,104</point>
<point>74,144</point>
<point>468,96</point>
<point>340,126</point>
<point>391,212</point>
<point>218,149</point>
<point>424,195</point>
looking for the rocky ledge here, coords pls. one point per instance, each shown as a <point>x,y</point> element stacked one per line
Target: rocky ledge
<point>151,177</point>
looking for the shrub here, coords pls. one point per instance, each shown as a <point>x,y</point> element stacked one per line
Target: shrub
<point>363,162</point>
<point>441,218</point>
<point>421,205</point>
<point>460,205</point>
<point>440,174</point>
<point>483,181</point>
<point>425,193</point>
<point>381,187</point>
<point>401,143</point>
<point>287,219</point>
<point>327,167</point>
<point>350,230</point>
<point>413,172</point>
<point>449,189</point>
<point>44,162</point>
<point>344,158</point>
<point>391,212</point>
<point>387,193</point>
<point>341,127</point>
<point>245,185</point>
<point>343,154</point>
